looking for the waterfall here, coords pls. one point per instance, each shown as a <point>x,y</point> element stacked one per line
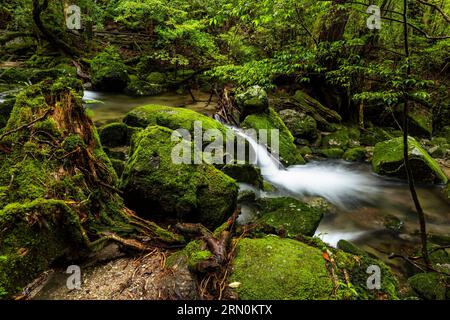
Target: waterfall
<point>335,181</point>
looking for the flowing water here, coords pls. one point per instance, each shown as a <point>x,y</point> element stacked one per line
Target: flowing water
<point>364,202</point>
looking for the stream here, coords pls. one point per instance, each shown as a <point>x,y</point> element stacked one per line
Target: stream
<point>363,201</point>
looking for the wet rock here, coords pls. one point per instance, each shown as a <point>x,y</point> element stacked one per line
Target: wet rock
<point>300,124</point>
<point>245,173</point>
<point>388,160</point>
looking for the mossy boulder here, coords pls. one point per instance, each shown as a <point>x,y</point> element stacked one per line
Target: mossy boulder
<point>343,138</point>
<point>156,78</point>
<point>431,285</point>
<point>5,111</point>
<point>374,135</point>
<point>246,173</point>
<point>355,154</point>
<point>108,71</point>
<point>350,247</point>
<point>269,120</point>
<point>153,184</point>
<point>288,216</point>
<point>254,100</point>
<point>272,268</point>
<point>32,235</point>
<point>300,124</point>
<point>141,88</point>
<point>388,160</point>
<point>323,115</point>
<point>114,135</point>
<point>331,153</point>
<point>169,117</point>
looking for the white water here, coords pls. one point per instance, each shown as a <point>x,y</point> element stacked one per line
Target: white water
<point>335,182</point>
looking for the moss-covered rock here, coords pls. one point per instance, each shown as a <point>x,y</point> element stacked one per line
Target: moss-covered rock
<point>154,184</point>
<point>245,173</point>
<point>115,135</point>
<point>57,185</point>
<point>254,100</point>
<point>318,111</point>
<point>388,160</point>
<point>300,124</point>
<point>108,71</point>
<point>355,154</point>
<point>331,153</point>
<point>271,268</point>
<point>431,286</point>
<point>32,235</point>
<point>343,138</point>
<point>421,122</point>
<point>5,110</point>
<point>269,120</point>
<point>169,117</point>
<point>141,88</point>
<point>288,216</point>
<point>374,135</point>
<point>194,253</point>
<point>350,247</point>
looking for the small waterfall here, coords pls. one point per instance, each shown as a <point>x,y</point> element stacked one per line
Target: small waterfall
<point>335,182</point>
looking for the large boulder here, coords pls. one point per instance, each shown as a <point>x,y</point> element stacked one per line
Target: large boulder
<point>272,268</point>
<point>388,160</point>
<point>254,100</point>
<point>288,216</point>
<point>155,185</point>
<point>289,154</point>
<point>170,117</point>
<point>431,286</point>
<point>108,71</point>
<point>300,124</point>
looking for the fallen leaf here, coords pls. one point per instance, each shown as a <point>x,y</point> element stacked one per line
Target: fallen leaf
<point>234,285</point>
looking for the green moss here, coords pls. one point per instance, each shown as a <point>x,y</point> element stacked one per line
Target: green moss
<point>108,71</point>
<point>342,138</point>
<point>270,120</point>
<point>191,255</point>
<point>140,88</point>
<point>5,111</point>
<point>356,267</point>
<point>172,118</point>
<point>374,135</point>
<point>245,173</point>
<point>271,268</point>
<point>254,100</point>
<point>156,78</point>
<point>431,286</point>
<point>355,154</point>
<point>331,153</point>
<point>351,248</point>
<point>300,124</point>
<point>289,215</point>
<point>114,135</point>
<point>388,160</point>
<point>194,192</point>
<point>32,235</point>
<point>421,122</point>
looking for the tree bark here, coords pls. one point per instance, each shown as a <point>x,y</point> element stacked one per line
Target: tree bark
<point>420,213</point>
